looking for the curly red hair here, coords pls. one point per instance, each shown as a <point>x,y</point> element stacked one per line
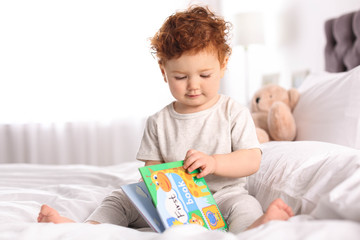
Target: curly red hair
<point>192,30</point>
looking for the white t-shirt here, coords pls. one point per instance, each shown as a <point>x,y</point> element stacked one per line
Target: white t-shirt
<point>225,127</point>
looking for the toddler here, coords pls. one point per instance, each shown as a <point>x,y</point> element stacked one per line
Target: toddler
<point>207,130</point>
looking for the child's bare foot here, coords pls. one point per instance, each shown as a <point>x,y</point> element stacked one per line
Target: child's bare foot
<point>48,214</point>
<point>278,210</point>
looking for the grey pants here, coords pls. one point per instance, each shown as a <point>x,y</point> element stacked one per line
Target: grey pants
<point>237,207</point>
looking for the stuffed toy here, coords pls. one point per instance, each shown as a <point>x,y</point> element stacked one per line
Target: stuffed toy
<point>271,109</point>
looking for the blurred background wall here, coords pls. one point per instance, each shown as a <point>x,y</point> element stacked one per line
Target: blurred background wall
<point>77,78</point>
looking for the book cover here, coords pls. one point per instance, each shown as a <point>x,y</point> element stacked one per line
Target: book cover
<point>140,197</point>
<point>180,197</point>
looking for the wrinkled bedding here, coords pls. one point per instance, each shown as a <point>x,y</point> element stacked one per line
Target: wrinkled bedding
<point>320,181</point>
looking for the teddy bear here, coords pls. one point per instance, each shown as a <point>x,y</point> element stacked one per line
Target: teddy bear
<point>271,109</point>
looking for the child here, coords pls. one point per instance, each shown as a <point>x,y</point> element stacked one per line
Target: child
<point>208,130</point>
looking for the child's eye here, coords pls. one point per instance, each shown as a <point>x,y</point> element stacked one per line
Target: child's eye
<point>180,78</point>
<point>205,76</point>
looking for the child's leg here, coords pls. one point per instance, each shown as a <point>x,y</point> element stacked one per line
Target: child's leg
<point>238,208</point>
<point>243,212</point>
<point>117,209</point>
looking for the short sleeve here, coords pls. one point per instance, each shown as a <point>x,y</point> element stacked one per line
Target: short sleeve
<point>149,147</point>
<point>243,132</point>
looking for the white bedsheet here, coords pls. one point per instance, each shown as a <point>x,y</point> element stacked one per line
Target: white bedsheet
<point>76,190</point>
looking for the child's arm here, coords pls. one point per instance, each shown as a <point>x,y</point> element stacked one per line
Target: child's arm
<point>240,163</point>
<point>149,163</point>
<point>152,162</point>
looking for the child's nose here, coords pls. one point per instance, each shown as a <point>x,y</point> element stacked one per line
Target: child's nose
<point>193,83</point>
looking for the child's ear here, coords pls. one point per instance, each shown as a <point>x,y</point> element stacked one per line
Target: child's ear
<point>223,66</point>
<point>225,63</point>
<point>162,69</point>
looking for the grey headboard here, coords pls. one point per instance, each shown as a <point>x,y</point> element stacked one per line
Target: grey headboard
<point>342,51</point>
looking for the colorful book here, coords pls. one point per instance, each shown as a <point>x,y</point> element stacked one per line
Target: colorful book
<point>140,197</point>
<point>180,197</point>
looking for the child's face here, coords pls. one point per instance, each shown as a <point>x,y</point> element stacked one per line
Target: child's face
<point>194,80</point>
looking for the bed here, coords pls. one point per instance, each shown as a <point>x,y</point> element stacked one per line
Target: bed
<point>318,175</point>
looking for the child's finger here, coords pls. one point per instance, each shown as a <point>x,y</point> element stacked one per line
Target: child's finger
<point>189,153</point>
<point>203,173</point>
<point>195,164</point>
<point>188,161</point>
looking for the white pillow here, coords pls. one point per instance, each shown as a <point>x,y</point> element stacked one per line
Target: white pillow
<point>329,108</point>
<point>316,178</point>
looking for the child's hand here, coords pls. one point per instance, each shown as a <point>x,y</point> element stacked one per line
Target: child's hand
<point>195,159</point>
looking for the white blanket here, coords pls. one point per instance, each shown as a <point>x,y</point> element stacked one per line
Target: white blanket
<point>76,190</point>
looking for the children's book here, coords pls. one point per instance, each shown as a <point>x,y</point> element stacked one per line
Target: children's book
<point>140,197</point>
<point>180,197</point>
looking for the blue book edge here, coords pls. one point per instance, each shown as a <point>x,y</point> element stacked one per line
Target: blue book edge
<point>140,197</point>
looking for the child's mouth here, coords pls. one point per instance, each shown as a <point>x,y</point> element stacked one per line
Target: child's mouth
<point>193,95</point>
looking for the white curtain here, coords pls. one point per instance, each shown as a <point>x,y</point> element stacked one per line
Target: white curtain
<point>95,143</point>
<point>77,78</point>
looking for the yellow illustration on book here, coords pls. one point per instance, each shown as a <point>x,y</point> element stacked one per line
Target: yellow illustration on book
<point>161,180</point>
<point>195,219</point>
<point>213,217</point>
